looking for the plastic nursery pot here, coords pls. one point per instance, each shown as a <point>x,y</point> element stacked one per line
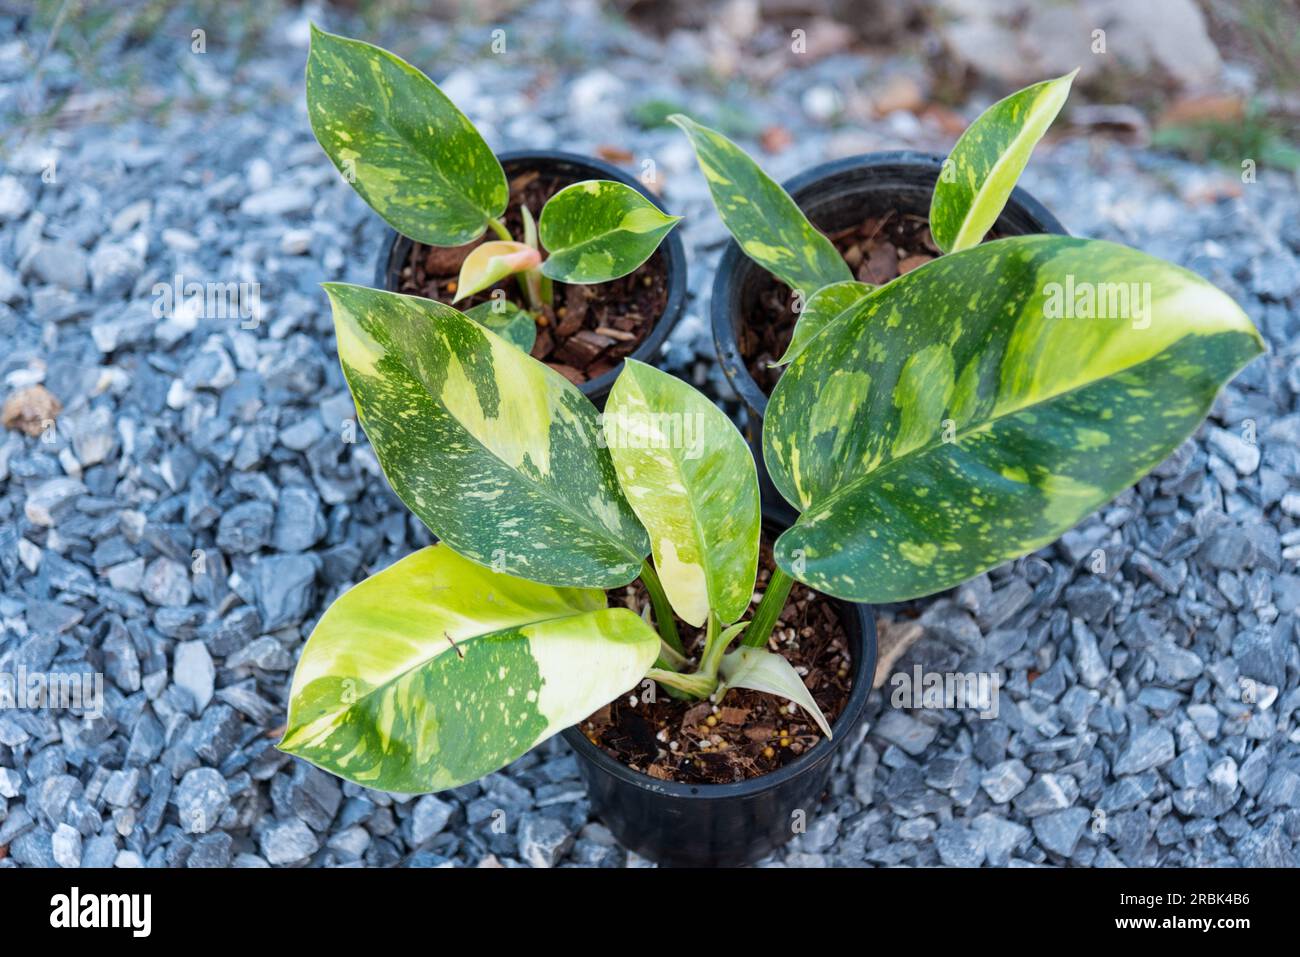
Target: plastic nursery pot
<point>570,167</point>
<point>726,825</point>
<point>836,196</point>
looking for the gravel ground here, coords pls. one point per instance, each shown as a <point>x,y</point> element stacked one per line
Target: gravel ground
<point>1148,710</point>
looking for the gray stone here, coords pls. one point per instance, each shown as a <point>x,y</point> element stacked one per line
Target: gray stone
<point>899,728</point>
<point>167,583</point>
<point>15,200</point>
<point>1150,748</point>
<point>1004,781</point>
<point>65,844</point>
<point>1047,793</point>
<point>200,800</point>
<point>299,521</point>
<point>1059,831</point>
<point>542,840</point>
<point>277,201</point>
<point>47,501</point>
<point>57,263</point>
<point>1174,664</point>
<point>114,268</point>
<point>193,670</point>
<point>1242,455</point>
<point>246,528</point>
<point>289,842</point>
<point>284,589</point>
<point>958,845</point>
<point>430,816</point>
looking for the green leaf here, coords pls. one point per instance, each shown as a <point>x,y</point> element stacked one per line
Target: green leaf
<point>437,671</point>
<point>822,308</point>
<point>491,262</point>
<point>766,671</point>
<point>598,230</point>
<point>691,479</point>
<point>401,143</point>
<point>969,412</point>
<point>508,321</point>
<point>762,217</point>
<point>497,454</point>
<point>982,169</point>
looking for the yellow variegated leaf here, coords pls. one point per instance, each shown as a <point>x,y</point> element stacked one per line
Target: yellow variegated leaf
<point>981,171</point>
<point>599,230</point>
<point>691,479</point>
<point>437,671</point>
<point>765,221</point>
<point>490,263</point>
<point>822,308</point>
<point>972,410</point>
<point>497,454</point>
<point>766,671</point>
<point>401,143</point>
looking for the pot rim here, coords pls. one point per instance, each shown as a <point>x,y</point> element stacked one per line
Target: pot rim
<point>864,669</point>
<point>671,245</point>
<point>732,259</point>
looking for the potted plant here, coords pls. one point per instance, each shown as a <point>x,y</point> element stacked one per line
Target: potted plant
<point>569,257</point>
<point>960,416</point>
<point>859,222</point>
<point>596,572</point>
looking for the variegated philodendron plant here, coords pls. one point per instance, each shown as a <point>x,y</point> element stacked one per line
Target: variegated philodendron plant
<point>962,415</point>
<point>461,657</point>
<point>422,166</point>
<point>973,409</point>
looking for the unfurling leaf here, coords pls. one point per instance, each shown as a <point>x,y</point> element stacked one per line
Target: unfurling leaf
<point>497,454</point>
<point>491,262</point>
<point>762,670</point>
<point>401,143</point>
<point>952,423</point>
<point>508,321</point>
<point>822,308</point>
<point>599,230</point>
<point>981,171</point>
<point>437,671</point>
<point>770,228</point>
<point>691,479</point>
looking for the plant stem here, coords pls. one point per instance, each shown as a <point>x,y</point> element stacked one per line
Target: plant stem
<point>669,658</point>
<point>713,649</point>
<point>769,609</point>
<point>696,685</point>
<point>548,292</point>
<point>664,620</point>
<point>499,228</point>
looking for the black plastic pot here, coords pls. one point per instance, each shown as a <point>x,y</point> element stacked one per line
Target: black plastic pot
<point>836,196</point>
<point>725,825</point>
<point>396,249</point>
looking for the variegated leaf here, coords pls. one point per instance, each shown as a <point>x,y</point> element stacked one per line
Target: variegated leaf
<point>599,230</point>
<point>766,671</point>
<point>691,479</point>
<point>762,217</point>
<point>491,262</point>
<point>497,454</point>
<point>437,671</point>
<point>508,321</point>
<point>401,143</point>
<point>972,410</point>
<point>981,171</point>
<point>822,308</point>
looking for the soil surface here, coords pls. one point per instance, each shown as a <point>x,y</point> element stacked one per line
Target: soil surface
<point>749,733</point>
<point>878,250</point>
<point>591,327</point>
